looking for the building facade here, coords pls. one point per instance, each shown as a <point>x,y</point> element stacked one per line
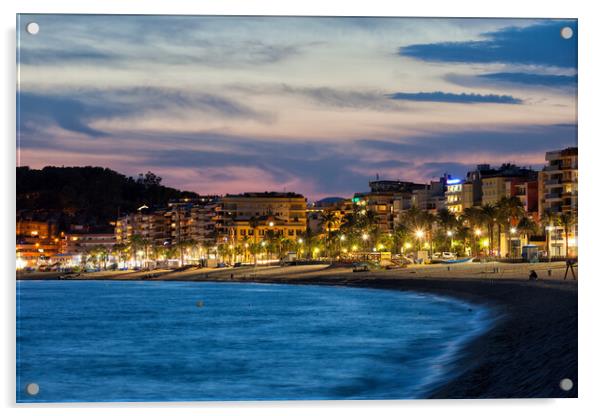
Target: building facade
<point>558,194</point>
<point>254,216</point>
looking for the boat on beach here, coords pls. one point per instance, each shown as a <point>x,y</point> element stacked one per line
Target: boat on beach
<point>455,261</point>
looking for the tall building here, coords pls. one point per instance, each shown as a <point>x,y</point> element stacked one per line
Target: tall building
<point>83,243</point>
<point>387,199</point>
<point>255,216</point>
<point>495,184</point>
<point>431,197</point>
<point>36,242</point>
<point>152,226</point>
<point>339,207</point>
<point>192,220</point>
<point>559,181</point>
<point>527,191</point>
<point>558,191</point>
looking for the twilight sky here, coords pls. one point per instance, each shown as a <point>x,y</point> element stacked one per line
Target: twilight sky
<point>313,105</point>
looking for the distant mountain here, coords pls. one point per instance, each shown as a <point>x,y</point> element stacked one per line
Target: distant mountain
<point>87,195</point>
<point>330,200</point>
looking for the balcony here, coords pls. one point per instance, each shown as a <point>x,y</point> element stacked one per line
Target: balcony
<point>553,196</point>
<point>552,167</point>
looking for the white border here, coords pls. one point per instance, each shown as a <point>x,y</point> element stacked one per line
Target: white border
<point>590,219</point>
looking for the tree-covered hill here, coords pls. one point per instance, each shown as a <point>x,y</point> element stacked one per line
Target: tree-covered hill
<point>88,195</point>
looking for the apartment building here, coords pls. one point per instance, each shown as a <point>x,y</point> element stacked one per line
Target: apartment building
<point>387,199</point>
<point>255,216</point>
<point>558,193</point>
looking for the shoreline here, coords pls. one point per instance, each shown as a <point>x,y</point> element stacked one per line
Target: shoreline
<point>525,353</point>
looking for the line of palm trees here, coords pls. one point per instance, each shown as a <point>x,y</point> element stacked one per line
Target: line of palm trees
<point>139,251</point>
<point>478,229</point>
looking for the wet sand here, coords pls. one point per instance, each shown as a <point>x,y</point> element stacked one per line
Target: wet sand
<point>530,349</point>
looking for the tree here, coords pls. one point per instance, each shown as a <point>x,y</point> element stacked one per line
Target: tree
<point>549,219</point>
<point>490,214</point>
<point>472,217</point>
<point>566,220</point>
<point>448,222</point>
<point>527,227</point>
<point>149,179</point>
<point>510,211</point>
<point>329,220</point>
<point>254,223</point>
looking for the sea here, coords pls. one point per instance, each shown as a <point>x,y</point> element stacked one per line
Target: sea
<point>151,341</point>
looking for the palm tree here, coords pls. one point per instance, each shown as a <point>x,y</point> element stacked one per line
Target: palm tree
<point>137,243</point>
<point>120,250</point>
<point>566,220</point>
<point>472,217</point>
<point>527,227</point>
<point>329,220</point>
<point>254,223</point>
<point>428,220</point>
<point>510,210</point>
<point>400,233</point>
<point>448,222</point>
<point>549,219</point>
<point>490,215</point>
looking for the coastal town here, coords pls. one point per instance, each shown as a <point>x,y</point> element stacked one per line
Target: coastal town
<point>507,213</point>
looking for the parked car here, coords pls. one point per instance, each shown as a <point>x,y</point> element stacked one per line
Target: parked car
<point>361,267</point>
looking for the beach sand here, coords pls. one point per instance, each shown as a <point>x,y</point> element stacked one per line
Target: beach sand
<point>529,350</point>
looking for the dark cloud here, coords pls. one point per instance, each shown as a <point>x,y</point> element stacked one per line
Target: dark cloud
<point>343,98</point>
<point>47,56</point>
<point>37,111</point>
<point>504,80</point>
<point>75,110</point>
<point>512,140</point>
<point>446,97</point>
<point>533,79</point>
<point>328,167</point>
<point>539,44</point>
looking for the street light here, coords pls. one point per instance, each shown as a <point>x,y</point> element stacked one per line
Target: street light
<point>478,232</point>
<point>343,237</point>
<point>450,233</point>
<point>365,237</point>
<point>513,230</point>
<point>419,235</point>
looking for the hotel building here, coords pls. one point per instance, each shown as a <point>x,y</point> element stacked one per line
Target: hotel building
<point>36,242</point>
<point>254,216</point>
<point>558,193</point>
<point>387,199</point>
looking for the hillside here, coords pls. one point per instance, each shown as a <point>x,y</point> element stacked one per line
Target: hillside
<point>87,195</point>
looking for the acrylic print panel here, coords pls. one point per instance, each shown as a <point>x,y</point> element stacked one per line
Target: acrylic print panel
<point>295,208</point>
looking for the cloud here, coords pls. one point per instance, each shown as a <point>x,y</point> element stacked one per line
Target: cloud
<point>459,144</point>
<point>34,56</point>
<point>75,110</point>
<point>533,79</point>
<point>217,163</point>
<point>446,97</point>
<point>539,44</point>
<point>36,111</point>
<point>522,80</point>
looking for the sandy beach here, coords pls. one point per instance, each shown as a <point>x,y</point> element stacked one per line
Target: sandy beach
<point>530,349</point>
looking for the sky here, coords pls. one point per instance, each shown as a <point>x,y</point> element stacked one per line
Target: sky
<point>318,106</point>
